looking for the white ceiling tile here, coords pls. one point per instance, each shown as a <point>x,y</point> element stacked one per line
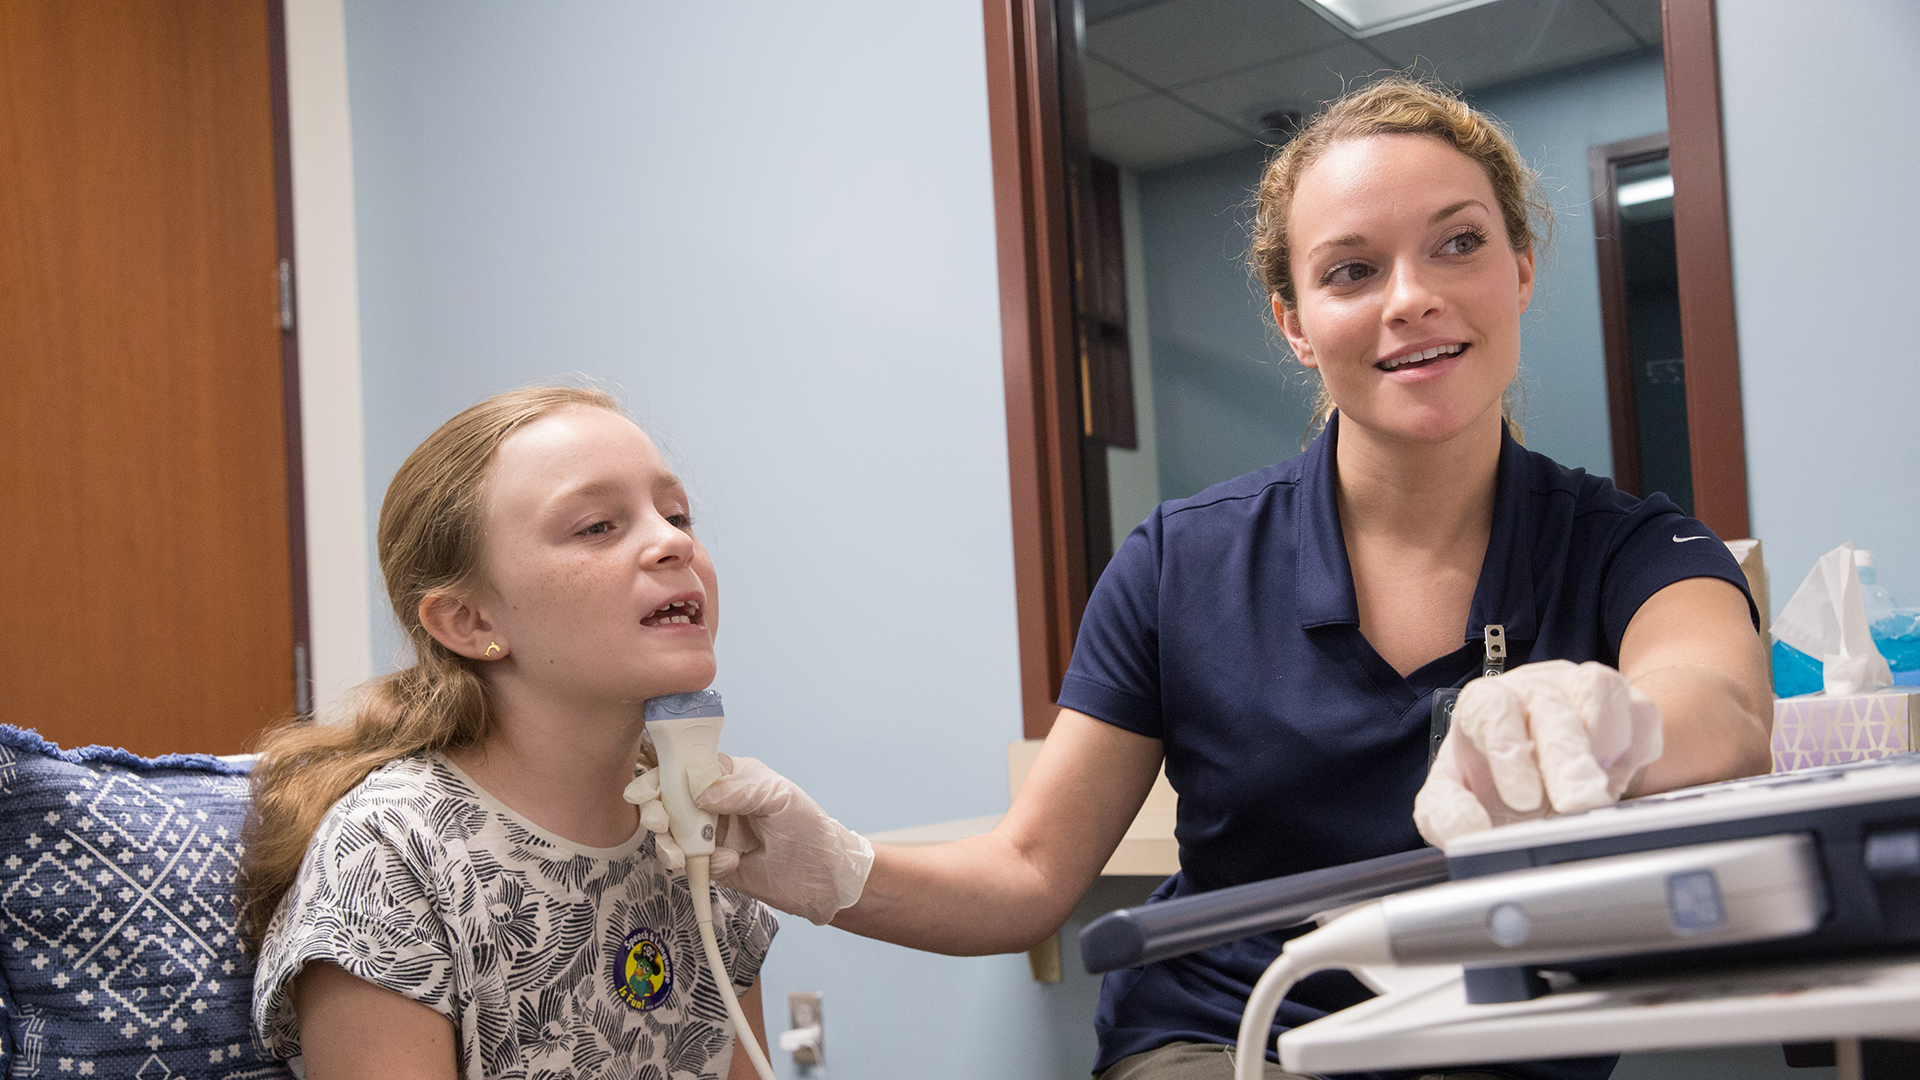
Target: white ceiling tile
<point>1108,85</point>
<point>1157,131</point>
<point>1169,42</point>
<point>1508,40</point>
<point>1641,16</point>
<point>1185,41</point>
<point>1300,83</point>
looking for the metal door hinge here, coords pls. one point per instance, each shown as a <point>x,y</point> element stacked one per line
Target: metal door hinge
<point>286,295</point>
<point>302,682</point>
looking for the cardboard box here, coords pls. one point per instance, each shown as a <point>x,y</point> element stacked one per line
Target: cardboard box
<point>1753,564</point>
<point>1814,729</point>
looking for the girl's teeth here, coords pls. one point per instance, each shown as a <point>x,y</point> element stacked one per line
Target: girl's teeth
<point>684,611</point>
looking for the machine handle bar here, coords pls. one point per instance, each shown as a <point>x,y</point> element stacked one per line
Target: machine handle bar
<point>1134,936</point>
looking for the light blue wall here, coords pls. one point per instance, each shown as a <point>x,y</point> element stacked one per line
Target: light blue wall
<point>1822,125</point>
<point>1228,396</point>
<point>774,233</point>
<point>1555,118</point>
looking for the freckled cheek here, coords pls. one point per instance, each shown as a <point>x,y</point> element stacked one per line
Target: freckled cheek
<point>565,592</point>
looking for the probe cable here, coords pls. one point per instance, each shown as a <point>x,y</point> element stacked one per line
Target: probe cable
<point>1356,938</point>
<point>702,889</point>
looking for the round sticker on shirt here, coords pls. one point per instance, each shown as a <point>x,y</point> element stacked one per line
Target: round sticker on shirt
<point>647,975</point>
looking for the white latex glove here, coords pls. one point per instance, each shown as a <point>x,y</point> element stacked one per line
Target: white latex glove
<point>1552,737</point>
<point>776,844</point>
<point>644,792</point>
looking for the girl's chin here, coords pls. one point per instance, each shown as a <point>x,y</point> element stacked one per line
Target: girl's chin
<point>683,679</point>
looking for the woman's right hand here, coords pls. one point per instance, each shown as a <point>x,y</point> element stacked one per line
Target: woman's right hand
<point>776,844</point>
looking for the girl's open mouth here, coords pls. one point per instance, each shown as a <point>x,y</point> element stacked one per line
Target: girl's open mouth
<point>676,613</point>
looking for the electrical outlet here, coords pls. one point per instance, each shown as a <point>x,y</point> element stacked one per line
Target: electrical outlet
<point>803,1011</point>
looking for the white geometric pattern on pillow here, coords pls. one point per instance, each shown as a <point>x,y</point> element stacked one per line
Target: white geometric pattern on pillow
<point>118,937</point>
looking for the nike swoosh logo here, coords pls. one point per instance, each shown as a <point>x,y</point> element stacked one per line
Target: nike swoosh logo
<point>1684,539</point>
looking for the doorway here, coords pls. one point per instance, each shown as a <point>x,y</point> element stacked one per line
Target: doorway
<point>1131,66</point>
<point>1640,318</point>
<point>149,470</point>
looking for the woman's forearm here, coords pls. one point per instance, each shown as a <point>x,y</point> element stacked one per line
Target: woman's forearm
<point>967,898</point>
<point>1009,889</point>
<point>1714,729</point>
<point>1693,650</point>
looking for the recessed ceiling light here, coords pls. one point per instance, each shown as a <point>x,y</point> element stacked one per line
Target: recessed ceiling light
<point>1365,18</point>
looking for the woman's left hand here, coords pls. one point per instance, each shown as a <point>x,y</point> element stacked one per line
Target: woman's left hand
<point>775,843</point>
<point>1550,737</point>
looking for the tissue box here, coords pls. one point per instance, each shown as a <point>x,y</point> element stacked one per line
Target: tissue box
<point>1815,729</point>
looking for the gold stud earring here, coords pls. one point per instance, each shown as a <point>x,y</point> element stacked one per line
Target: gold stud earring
<point>492,648</point>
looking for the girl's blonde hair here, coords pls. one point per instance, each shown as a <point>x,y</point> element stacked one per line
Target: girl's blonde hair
<point>1395,105</point>
<point>430,542</point>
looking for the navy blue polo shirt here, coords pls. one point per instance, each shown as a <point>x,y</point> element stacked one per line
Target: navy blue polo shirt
<point>1226,627</point>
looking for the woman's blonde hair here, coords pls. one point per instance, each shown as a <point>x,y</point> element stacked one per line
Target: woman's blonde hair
<point>430,542</point>
<point>1395,105</point>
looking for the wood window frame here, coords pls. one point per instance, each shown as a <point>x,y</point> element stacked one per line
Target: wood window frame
<point>1716,426</point>
<point>1037,321</point>
<point>1037,342</point>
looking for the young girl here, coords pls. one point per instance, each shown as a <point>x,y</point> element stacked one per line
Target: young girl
<point>449,883</point>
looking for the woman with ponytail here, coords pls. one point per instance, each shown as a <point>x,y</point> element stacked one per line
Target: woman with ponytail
<point>447,882</point>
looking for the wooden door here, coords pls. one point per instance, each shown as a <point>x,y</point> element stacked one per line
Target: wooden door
<point>146,580</point>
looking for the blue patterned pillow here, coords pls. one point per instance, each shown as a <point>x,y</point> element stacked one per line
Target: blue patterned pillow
<point>6,1043</point>
<point>118,954</point>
